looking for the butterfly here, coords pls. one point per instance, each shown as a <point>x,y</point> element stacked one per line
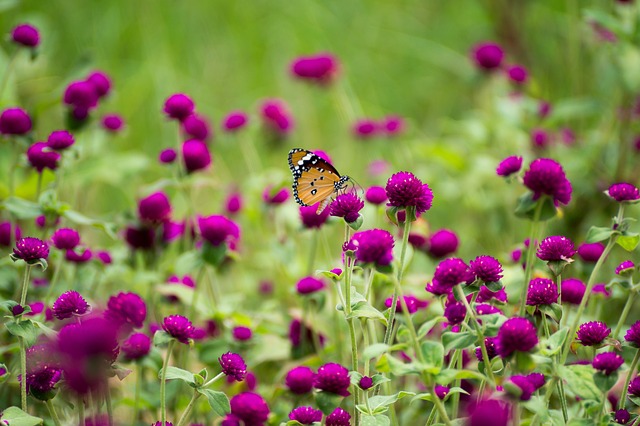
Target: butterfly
<point>314,179</point>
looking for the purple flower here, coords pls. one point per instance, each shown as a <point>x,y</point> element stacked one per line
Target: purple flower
<point>486,269</point>
<point>413,304</point>
<point>178,106</point>
<point>101,83</point>
<point>300,380</point>
<point>30,249</point>
<point>83,257</point>
<point>373,246</point>
<point>347,206</point>
<point>516,334</point>
<point>621,416</point>
<point>308,285</point>
<point>195,155</point>
<point>546,177</point>
<point>127,308</point>
<point>136,346</point>
<point>537,380</point>
<point>517,74</point>
<point>15,121</point>
<point>320,68</point>
<point>300,336</point>
<point>607,362</point>
<point>455,313</point>
<point>556,248</point>
<point>542,291</point>
<point>43,372</point>
<point>488,55</point>
<point>509,166</point>
<point>272,197</point>
<point>155,208</point>
<point>310,219</point>
<point>276,117</point>
<point>634,386</point>
<point>250,407</point>
<point>338,417</point>
<point>234,121</point>
<point>333,378</point>
<point>441,391</point>
<point>572,291</point>
<point>40,157</point>
<point>486,309</point>
<point>158,423</point>
<point>241,333</point>
<point>178,327</point>
<point>625,267</point>
<point>392,125</point>
<point>590,252</point>
<point>633,334</point>
<point>81,95</point>
<point>217,229</point>
<point>442,243</point>
<point>489,412</point>
<point>104,257</point>
<point>365,128</point>
<point>59,140</point>
<point>26,35</point>
<point>70,303</point>
<point>623,191</point>
<point>65,239</point>
<point>168,156</point>
<point>233,366</point>
<point>141,237</point>
<point>112,123</point>
<point>484,295</point>
<point>492,351</point>
<point>526,387</point>
<point>197,127</point>
<point>233,203</point>
<point>376,195</point>
<point>540,138</point>
<point>405,190</point>
<point>7,237</point>
<point>593,333</point>
<point>305,415</point>
<point>365,383</point>
<point>451,271</point>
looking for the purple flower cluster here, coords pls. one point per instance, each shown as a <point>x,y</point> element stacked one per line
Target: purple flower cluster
<point>623,192</point>
<point>83,95</point>
<point>333,378</point>
<point>546,177</point>
<point>556,248</point>
<point>347,206</point>
<point>405,190</point>
<point>372,246</point>
<point>486,269</point>
<point>233,366</point>
<point>542,291</point>
<point>593,333</point>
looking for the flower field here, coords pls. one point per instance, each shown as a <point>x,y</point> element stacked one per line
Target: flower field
<point>319,213</point>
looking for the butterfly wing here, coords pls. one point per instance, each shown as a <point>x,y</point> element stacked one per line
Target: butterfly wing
<point>314,179</point>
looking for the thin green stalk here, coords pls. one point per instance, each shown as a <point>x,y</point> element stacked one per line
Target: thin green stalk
<point>559,384</point>
<point>52,412</point>
<point>107,397</point>
<point>432,416</point>
<point>440,407</point>
<point>13,166</point>
<point>625,313</point>
<point>312,251</point>
<point>187,411</point>
<point>634,364</point>
<point>25,284</point>
<point>533,243</point>
<point>194,295</point>
<point>39,186</point>
<point>136,397</point>
<point>7,73</point>
<point>23,374</point>
<point>163,404</point>
<point>352,331</point>
<point>408,319</point>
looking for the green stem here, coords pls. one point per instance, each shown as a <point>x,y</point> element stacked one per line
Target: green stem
<point>107,397</point>
<point>52,412</point>
<point>13,166</point>
<point>352,331</point>
<point>625,312</point>
<point>54,280</point>
<point>163,404</point>
<point>194,295</point>
<point>312,252</point>
<point>533,243</point>
<point>23,375</point>
<point>136,397</point>
<point>440,407</point>
<point>39,186</point>
<point>187,411</point>
<point>559,384</point>
<point>25,285</point>
<point>432,416</point>
<point>7,73</point>
<point>634,363</point>
<point>408,319</point>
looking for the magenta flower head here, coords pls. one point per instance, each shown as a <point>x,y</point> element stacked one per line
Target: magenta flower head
<point>625,268</point>
<point>436,288</point>
<point>158,423</point>
<point>30,250</point>
<point>623,192</point>
<point>443,242</point>
<point>15,121</point>
<point>137,346</point>
<point>167,156</point>
<point>234,121</point>
<point>489,412</point>
<point>542,291</point>
<point>197,127</point>
<point>242,333</point>
<point>607,362</point>
<point>593,333</point>
<point>140,237</point>
<point>455,313</point>
<point>488,56</point>
<point>26,35</point>
<point>112,123</point>
<point>365,128</point>
<point>540,138</point>
<point>81,95</point>
<point>373,246</point>
<point>42,373</point>
<point>338,417</point>
<point>69,304</point>
<point>634,386</point>
<point>572,291</point>
<point>451,271</point>
<point>308,285</point>
<point>195,155</point>
<point>40,157</point>
<point>178,106</point>
<point>233,203</point>
<point>154,208</point>
<point>101,82</point>
<point>305,415</point>
<point>509,166</point>
<point>633,334</point>
<point>546,177</point>
<point>178,327</point>
<point>347,206</point>
<point>376,195</point>
<point>276,117</point>
<point>365,383</point>
<point>590,252</point>
<point>127,308</point>
<point>310,219</point>
<point>83,256</point>
<point>217,229</point>
<point>492,351</point>
<point>300,380</point>
<point>392,125</point>
<point>272,197</point>
<point>333,378</point>
<point>65,239</point>
<point>621,416</point>
<point>486,269</point>
<point>250,408</point>
<point>526,388</point>
<point>412,303</point>
<point>556,248</point>
<point>9,233</point>
<point>516,334</point>
<point>233,366</point>
<point>321,68</point>
<point>59,140</point>
<point>405,190</point>
<point>517,74</point>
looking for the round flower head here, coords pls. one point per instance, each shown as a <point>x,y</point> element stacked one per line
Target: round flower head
<point>490,344</point>
<point>517,74</point>
<point>26,35</point>
<point>455,313</point>
<point>526,387</point>
<point>197,127</point>
<point>15,121</point>
<point>634,386</point>
<point>9,233</point>
<point>272,197</point>
<point>441,391</point>
<point>486,269</point>
<point>451,271</point>
<point>485,295</point>
<point>572,291</point>
<point>438,289</point>
<point>622,192</point>
<point>540,138</point>
<point>40,157</point>
<point>593,333</point>
<point>308,285</point>
<point>233,366</point>
<point>101,83</point>
<point>607,362</point>
<point>373,246</point>
<point>195,155</point>
<point>365,128</point>
<point>127,308</point>
<point>590,252</point>
<point>537,380</point>
<point>310,219</point>
<point>136,346</point>
<point>516,334</point>
<point>178,106</point>
<point>442,243</point>
<point>233,203</point>
<point>333,378</point>
<point>69,303</point>
<point>546,177</point>
<point>234,121</point>
<point>621,416</point>
<point>65,239</point>
<point>168,156</point>
<point>405,190</point>
<point>542,291</point>
<point>178,327</point>
<point>418,242</point>
<point>60,140</point>
<point>624,267</point>
<point>30,249</point>
<point>488,56</point>
<point>82,95</point>
<point>376,195</point>
<point>412,303</point>
<point>300,380</point>
<point>142,238</point>
<point>276,116</point>
<point>83,256</point>
<point>320,68</point>
<point>486,309</point>
<point>112,123</point>
<point>544,109</point>
<point>42,372</point>
<point>633,334</point>
<point>509,166</point>
<point>158,423</point>
<point>347,206</point>
<point>392,125</point>
<point>489,412</point>
<point>556,248</point>
<point>241,333</point>
<point>155,208</point>
<point>338,417</point>
<point>217,229</point>
<point>305,415</point>
<point>365,383</point>
<point>250,407</point>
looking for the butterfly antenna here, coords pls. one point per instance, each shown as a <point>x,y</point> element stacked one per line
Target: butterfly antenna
<point>355,183</point>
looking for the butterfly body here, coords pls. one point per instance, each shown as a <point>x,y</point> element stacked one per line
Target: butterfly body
<point>315,180</point>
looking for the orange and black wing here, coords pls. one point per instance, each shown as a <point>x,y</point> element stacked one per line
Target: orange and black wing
<point>314,179</point>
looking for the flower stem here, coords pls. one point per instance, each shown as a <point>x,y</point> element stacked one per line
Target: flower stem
<point>625,312</point>
<point>39,186</point>
<point>107,397</point>
<point>352,331</point>
<point>440,407</point>
<point>52,412</point>
<point>634,363</point>
<point>312,252</point>
<point>163,404</point>
<point>81,411</point>
<point>54,280</point>
<point>136,397</point>
<point>533,244</point>
<point>432,416</point>
<point>25,285</point>
<point>187,411</point>
<point>23,375</point>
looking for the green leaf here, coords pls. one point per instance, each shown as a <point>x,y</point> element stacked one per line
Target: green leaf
<point>526,207</point>
<point>392,215</point>
<point>494,286</point>
<point>329,275</point>
<point>188,263</point>
<point>327,401</point>
<point>174,373</point>
<point>604,382</point>
<point>598,233</point>
<point>433,353</point>
<point>460,340</point>
<point>213,255</point>
<point>628,58</point>
<point>356,224</point>
<point>426,327</point>
<point>161,338</point>
<point>379,379</point>
<point>80,219</point>
<point>554,311</point>
<point>7,305</point>
<point>365,310</point>
<point>554,343</point>
<point>22,209</point>
<point>377,420</point>
<point>375,350</point>
<point>25,329</point>
<point>628,241</point>
<point>390,364</point>
<point>218,401</point>
<point>382,402</point>
<point>579,378</point>
<point>16,417</point>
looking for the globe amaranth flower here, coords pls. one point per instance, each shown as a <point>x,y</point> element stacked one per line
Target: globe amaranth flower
<point>542,291</point>
<point>441,391</point>
<point>625,267</point>
<point>127,308</point>
<point>365,383</point>
<point>556,248</point>
<point>159,423</point>
<point>83,256</point>
<point>633,334</point>
<point>70,303</point>
<point>301,336</point>
<point>26,35</point>
<point>593,333</point>
<point>59,140</point>
<point>168,156</point>
<point>250,407</point>
<point>537,380</point>
<point>233,366</point>
<point>333,378</point>
<point>442,243</point>
<point>376,195</point>
<point>112,123</point>
<point>455,313</point>
<point>305,415</point>
<point>347,206</point>
<point>490,344</point>
<point>234,121</point>
<point>275,197</point>
<point>137,346</point>
<point>233,203</point>
<point>310,219</point>
<point>526,387</point>
<point>405,190</point>
<point>621,416</point>
<point>242,333</point>
<point>451,272</point>
<point>178,106</point>
<point>622,192</point>
<point>412,303</point>
<point>40,157</point>
<point>546,177</point>
<point>140,237</point>
<point>30,249</point>
<point>217,229</point>
<point>82,96</point>
<point>516,334</point>
<point>517,74</point>
<point>43,373</point>
<point>320,68</point>
<point>486,309</point>
<point>486,269</point>
<point>488,55</point>
<point>607,362</point>
<point>485,295</point>
<point>573,291</point>
<point>540,138</point>
<point>392,125</point>
<point>101,83</point>
<point>300,380</point>
<point>489,412</point>
<point>15,121</point>
<point>154,208</point>
<point>438,289</point>
<point>195,155</point>
<point>65,239</point>
<point>590,252</point>
<point>276,117</point>
<point>418,241</point>
<point>509,166</point>
<point>338,417</point>
<point>308,285</point>
<point>373,246</point>
<point>178,327</point>
<point>197,127</point>
<point>9,233</point>
<point>634,387</point>
<point>365,128</point>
